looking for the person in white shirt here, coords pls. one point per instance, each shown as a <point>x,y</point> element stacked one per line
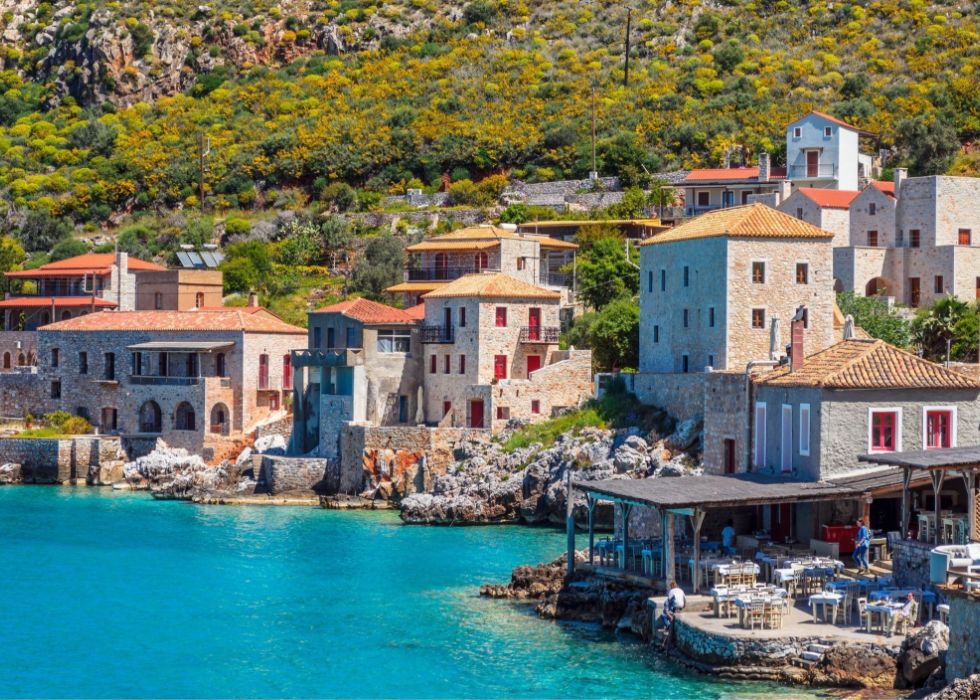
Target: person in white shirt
<point>728,538</point>
<point>675,601</point>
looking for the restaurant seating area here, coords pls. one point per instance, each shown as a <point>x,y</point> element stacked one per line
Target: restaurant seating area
<point>950,528</point>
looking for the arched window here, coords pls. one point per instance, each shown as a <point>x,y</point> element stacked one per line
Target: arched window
<point>184,418</point>
<point>199,299</point>
<point>219,419</point>
<point>65,315</point>
<point>6,360</point>
<point>21,360</point>
<point>150,417</point>
<point>219,364</point>
<point>480,262</point>
<point>32,360</point>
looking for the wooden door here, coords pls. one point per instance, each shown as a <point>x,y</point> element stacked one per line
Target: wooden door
<point>812,163</point>
<point>476,414</point>
<point>534,324</point>
<point>729,456</point>
<point>781,521</point>
<point>914,295</point>
<point>533,364</point>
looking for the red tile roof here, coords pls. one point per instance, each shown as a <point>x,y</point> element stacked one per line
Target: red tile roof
<point>731,175</point>
<point>229,319</point>
<point>886,186</point>
<point>57,302</point>
<point>835,120</point>
<point>747,221</point>
<point>87,264</point>
<point>829,199</point>
<point>417,312</point>
<point>370,312</point>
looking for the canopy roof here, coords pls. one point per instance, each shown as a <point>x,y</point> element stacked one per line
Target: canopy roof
<point>715,491</point>
<point>183,346</point>
<point>947,458</point>
<point>57,302</point>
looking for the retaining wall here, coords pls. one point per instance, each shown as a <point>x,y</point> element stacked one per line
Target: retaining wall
<point>680,395</point>
<point>96,459</point>
<point>281,474</point>
<point>910,564</point>
<point>963,657</point>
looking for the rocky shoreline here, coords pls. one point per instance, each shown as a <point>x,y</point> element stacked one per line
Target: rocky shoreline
<point>915,663</point>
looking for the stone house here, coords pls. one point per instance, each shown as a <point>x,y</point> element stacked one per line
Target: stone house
<point>915,244</point>
<point>491,354</point>
<point>89,283</point>
<point>197,379</point>
<point>823,152</point>
<point>437,261</point>
<point>362,364</point>
<point>826,209</point>
<point>707,189</point>
<point>711,288</point>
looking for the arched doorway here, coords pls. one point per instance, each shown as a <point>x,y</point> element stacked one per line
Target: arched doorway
<point>65,315</point>
<point>838,286</point>
<point>220,419</point>
<point>149,417</point>
<point>875,287</point>
<point>21,360</point>
<point>184,418</point>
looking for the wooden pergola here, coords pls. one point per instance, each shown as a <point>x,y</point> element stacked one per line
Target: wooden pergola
<point>938,463</point>
<point>693,496</point>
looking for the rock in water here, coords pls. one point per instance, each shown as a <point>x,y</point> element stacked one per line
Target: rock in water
<point>271,444</point>
<point>860,667</point>
<point>960,689</point>
<point>10,474</point>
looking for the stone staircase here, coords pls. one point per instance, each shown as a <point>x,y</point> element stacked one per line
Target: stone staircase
<point>811,656</point>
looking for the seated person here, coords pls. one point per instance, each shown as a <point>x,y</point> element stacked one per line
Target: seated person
<point>905,612</point>
<point>675,601</point>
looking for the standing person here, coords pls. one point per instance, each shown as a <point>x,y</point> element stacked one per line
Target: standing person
<point>676,600</point>
<point>728,538</point>
<point>863,541</point>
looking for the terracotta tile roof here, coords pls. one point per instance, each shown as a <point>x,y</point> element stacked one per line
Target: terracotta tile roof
<point>57,302</point>
<point>715,174</point>
<point>417,312</point>
<point>492,286</point>
<point>436,245</point>
<point>553,243</point>
<point>829,199</point>
<point>87,264</point>
<point>839,122</point>
<point>868,364</point>
<point>414,287</point>
<point>886,186</point>
<point>481,238</point>
<point>748,221</point>
<point>370,312</point>
<point>229,319</point>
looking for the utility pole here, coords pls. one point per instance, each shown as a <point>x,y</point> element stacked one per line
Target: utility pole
<point>629,22</point>
<point>203,150</point>
<point>594,175</point>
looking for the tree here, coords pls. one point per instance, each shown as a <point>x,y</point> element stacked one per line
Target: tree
<point>380,267</point>
<point>579,334</point>
<point>41,231</point>
<point>632,206</point>
<point>247,267</point>
<point>605,274</point>
<point>339,195</point>
<point>68,248</point>
<point>334,236</point>
<point>876,317</point>
<point>137,240</point>
<point>926,147</point>
<point>12,256</point>
<point>950,320</point>
<point>615,336</point>
<point>661,196</point>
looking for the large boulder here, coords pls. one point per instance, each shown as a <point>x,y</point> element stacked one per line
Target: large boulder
<point>10,474</point>
<point>853,666</point>
<point>685,436</point>
<point>270,445</point>
<point>922,653</point>
<point>959,689</point>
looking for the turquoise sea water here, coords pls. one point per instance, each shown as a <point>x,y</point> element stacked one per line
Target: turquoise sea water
<point>116,595</point>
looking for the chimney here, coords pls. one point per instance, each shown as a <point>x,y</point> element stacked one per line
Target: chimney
<point>253,299</point>
<point>796,350</point>
<point>900,175</point>
<point>122,262</point>
<point>785,190</point>
<point>763,167</point>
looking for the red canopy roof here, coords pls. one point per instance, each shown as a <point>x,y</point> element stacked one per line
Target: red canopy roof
<point>57,302</point>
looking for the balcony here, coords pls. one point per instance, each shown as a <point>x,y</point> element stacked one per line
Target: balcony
<point>539,334</point>
<point>555,279</point>
<point>153,380</point>
<point>813,172</point>
<point>338,357</point>
<point>443,273</point>
<point>437,334</point>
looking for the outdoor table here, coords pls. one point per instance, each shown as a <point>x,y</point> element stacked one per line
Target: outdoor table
<point>825,599</point>
<point>743,602</point>
<point>885,611</point>
<point>842,584</point>
<point>879,547</point>
<point>899,594</point>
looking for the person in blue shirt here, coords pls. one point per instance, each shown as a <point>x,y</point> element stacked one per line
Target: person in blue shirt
<point>863,541</point>
<point>728,538</point>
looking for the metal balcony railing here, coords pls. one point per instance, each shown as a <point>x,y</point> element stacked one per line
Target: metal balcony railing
<point>145,379</point>
<point>555,279</point>
<point>803,172</point>
<point>539,334</point>
<point>437,334</point>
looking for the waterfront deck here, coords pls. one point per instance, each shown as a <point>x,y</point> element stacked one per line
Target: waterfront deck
<point>797,623</point>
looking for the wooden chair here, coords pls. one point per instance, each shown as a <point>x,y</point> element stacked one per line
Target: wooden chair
<point>773,614</point>
<point>756,613</point>
<point>903,623</point>
<point>864,617</point>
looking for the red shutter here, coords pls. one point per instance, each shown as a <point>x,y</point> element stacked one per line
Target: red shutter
<point>501,317</point>
<point>287,373</point>
<point>500,366</point>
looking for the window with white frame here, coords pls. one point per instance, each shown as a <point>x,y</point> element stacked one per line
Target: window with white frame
<point>805,429</point>
<point>828,131</point>
<point>786,439</point>
<point>797,132</point>
<point>394,340</point>
<point>759,446</point>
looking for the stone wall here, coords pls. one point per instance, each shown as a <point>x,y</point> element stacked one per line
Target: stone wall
<point>281,474</point>
<point>95,459</point>
<point>963,657</point>
<point>283,427</point>
<point>725,418</point>
<point>564,384</point>
<point>406,457</point>
<point>910,564</point>
<point>680,395</point>
<point>20,393</point>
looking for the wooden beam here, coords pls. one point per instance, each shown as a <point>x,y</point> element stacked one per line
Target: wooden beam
<point>938,476</point>
<point>697,520</point>
<point>906,500</point>
<point>570,521</point>
<point>591,503</point>
<point>669,549</point>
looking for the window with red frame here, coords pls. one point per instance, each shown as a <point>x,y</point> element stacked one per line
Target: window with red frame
<point>535,406</point>
<point>501,317</point>
<point>883,425</point>
<point>500,367</point>
<point>432,364</point>
<point>939,429</point>
<point>447,407</point>
<point>462,364</point>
